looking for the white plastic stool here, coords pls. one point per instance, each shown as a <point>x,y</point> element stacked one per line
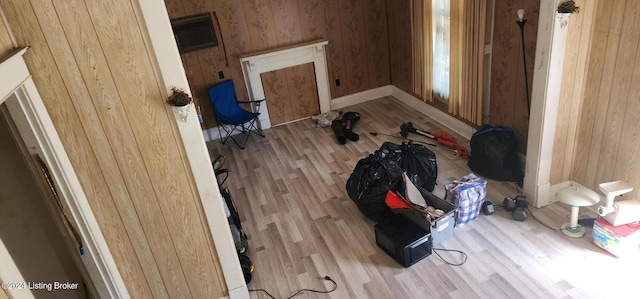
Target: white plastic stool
<point>576,197</point>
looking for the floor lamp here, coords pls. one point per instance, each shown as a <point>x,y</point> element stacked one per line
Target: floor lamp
<point>521,21</point>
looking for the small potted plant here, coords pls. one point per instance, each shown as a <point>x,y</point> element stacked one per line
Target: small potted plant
<point>178,97</point>
<point>568,6</point>
<point>180,101</point>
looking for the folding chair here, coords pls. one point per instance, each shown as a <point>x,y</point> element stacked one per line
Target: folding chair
<point>230,116</point>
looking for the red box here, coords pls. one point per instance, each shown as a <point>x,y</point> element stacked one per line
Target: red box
<point>622,240</point>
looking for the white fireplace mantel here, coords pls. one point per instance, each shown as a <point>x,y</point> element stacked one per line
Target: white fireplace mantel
<point>254,64</point>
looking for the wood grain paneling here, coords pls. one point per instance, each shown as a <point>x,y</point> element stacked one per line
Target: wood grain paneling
<point>508,100</point>
<point>572,90</point>
<point>5,35</point>
<point>357,53</point>
<point>606,144</point>
<point>399,19</point>
<point>91,65</point>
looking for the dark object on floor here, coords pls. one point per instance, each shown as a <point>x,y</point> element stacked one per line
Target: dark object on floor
<point>587,222</point>
<point>403,240</point>
<point>247,267</point>
<point>230,116</point>
<point>416,160</point>
<point>517,207</point>
<point>336,125</point>
<point>367,186</point>
<point>447,142</point>
<point>494,154</point>
<point>240,239</point>
<point>343,127</point>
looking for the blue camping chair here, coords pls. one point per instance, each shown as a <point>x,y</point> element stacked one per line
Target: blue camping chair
<point>230,116</point>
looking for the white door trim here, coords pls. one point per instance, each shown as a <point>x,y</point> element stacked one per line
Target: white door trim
<point>545,96</point>
<point>40,137</point>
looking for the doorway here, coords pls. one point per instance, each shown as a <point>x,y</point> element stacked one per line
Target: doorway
<point>35,252</point>
<point>40,148</point>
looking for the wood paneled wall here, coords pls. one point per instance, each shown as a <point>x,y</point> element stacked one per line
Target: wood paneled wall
<point>357,54</point>
<point>399,12</point>
<point>98,82</point>
<point>5,38</point>
<point>607,141</point>
<point>574,77</point>
<point>508,98</point>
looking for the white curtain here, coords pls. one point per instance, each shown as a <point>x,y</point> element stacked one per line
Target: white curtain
<point>441,58</point>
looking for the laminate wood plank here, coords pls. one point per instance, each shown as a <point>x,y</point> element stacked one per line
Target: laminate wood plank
<point>324,233</point>
<point>46,75</point>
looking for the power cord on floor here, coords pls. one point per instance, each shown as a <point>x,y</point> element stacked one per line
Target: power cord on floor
<point>464,256</point>
<point>549,227</point>
<point>536,218</point>
<point>335,286</point>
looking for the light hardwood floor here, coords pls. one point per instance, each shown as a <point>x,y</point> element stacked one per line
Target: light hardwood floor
<point>290,191</point>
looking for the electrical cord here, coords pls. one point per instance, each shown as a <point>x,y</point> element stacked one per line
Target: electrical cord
<point>335,286</point>
<point>464,256</point>
<point>536,218</point>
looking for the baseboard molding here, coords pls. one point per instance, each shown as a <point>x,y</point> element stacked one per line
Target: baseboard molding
<point>361,97</point>
<point>444,119</point>
<point>337,103</point>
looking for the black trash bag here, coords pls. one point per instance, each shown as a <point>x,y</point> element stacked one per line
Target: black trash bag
<point>416,160</point>
<point>494,154</point>
<point>367,186</point>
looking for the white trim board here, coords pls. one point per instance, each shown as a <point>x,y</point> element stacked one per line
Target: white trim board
<point>545,94</point>
<point>257,63</point>
<point>361,97</point>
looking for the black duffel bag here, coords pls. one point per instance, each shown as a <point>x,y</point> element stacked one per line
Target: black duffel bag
<point>494,154</point>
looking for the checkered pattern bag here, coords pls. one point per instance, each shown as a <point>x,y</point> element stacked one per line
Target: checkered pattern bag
<point>467,194</point>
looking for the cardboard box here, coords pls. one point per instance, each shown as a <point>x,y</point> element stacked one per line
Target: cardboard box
<point>622,240</point>
<point>440,229</point>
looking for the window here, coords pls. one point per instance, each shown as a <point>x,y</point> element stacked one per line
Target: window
<point>441,55</point>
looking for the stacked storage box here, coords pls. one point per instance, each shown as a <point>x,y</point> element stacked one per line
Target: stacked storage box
<point>440,228</point>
